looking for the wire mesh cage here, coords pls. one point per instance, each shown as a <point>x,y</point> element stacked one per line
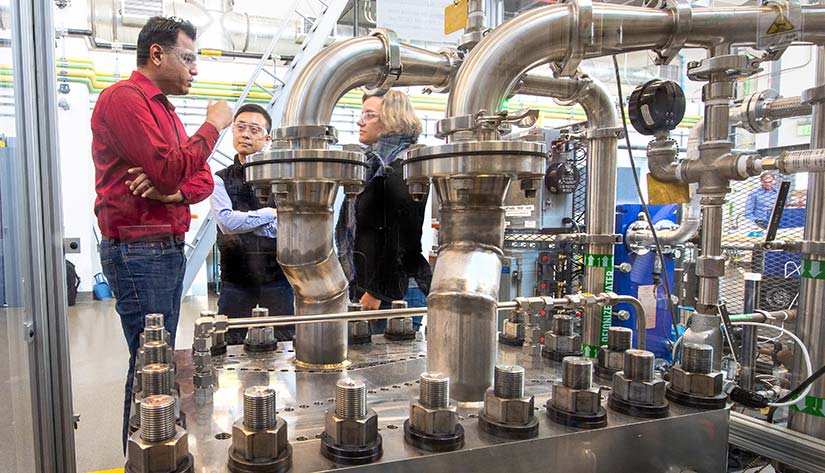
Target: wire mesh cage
<point>747,214</point>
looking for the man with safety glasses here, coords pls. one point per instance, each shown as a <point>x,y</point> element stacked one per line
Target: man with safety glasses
<point>147,172</point>
<point>247,231</point>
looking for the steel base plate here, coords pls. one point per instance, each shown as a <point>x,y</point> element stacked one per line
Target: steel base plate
<point>434,443</point>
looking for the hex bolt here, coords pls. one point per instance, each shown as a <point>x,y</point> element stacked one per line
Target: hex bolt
<point>350,399</point>
<point>154,320</point>
<point>508,382</point>
<point>157,418</point>
<point>697,358</point>
<point>434,390</point>
<point>260,312</point>
<point>619,338</point>
<point>155,352</point>
<point>638,365</point>
<point>577,373</point>
<point>259,408</point>
<point>563,325</point>
<point>155,379</point>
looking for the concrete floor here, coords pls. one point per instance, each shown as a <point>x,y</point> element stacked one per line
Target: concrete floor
<point>99,362</point>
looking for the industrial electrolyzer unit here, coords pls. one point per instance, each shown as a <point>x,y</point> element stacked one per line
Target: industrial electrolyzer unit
<point>566,331</point>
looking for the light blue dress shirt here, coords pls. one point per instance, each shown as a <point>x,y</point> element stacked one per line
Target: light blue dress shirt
<point>230,221</point>
<point>760,204</point>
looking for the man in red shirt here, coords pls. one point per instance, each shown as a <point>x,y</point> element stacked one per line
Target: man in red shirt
<point>147,172</point>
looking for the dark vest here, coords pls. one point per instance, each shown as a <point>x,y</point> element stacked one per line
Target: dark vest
<point>246,258</point>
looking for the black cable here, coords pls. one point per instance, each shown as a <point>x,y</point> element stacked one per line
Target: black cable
<point>795,392</point>
<point>659,249</point>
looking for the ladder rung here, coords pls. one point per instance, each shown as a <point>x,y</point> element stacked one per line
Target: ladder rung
<point>263,88</point>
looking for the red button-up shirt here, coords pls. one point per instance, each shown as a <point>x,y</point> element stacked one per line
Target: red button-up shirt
<point>135,125</point>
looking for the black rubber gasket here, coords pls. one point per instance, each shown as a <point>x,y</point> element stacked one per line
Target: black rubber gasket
<point>281,464</point>
<point>360,339</point>
<point>699,402</point>
<point>557,356</point>
<point>637,410</point>
<point>306,160</point>
<point>351,455</point>
<point>218,350</point>
<point>397,337</point>
<point>508,431</point>
<point>513,342</point>
<point>579,421</point>
<point>473,153</point>
<point>604,374</point>
<point>434,443</point>
<point>260,348</point>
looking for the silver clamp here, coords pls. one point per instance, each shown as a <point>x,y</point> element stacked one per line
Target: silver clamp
<point>455,58</point>
<point>782,245</point>
<point>734,66</point>
<point>608,132</point>
<point>392,48</point>
<point>322,132</point>
<point>500,121</point>
<point>581,32</point>
<point>682,18</point>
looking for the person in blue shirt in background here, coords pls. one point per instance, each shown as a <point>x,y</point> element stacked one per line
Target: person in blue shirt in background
<point>247,232</point>
<point>760,202</point>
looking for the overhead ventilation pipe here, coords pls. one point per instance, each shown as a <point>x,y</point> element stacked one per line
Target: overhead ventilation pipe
<point>461,338</point>
<point>304,174</point>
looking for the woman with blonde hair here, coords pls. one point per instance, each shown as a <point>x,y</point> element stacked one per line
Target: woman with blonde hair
<point>379,231</point>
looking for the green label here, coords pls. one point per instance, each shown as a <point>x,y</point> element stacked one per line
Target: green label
<point>607,311</point>
<point>598,261</point>
<point>812,269</point>
<point>590,351</point>
<point>813,406</point>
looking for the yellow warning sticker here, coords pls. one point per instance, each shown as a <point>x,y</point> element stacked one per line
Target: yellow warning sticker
<point>455,16</point>
<point>781,25</point>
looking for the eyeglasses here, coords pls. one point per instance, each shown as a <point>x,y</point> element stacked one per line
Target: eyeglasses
<point>367,116</point>
<point>187,57</point>
<point>255,130</point>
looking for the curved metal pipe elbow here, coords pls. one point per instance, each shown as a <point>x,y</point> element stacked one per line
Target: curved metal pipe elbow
<point>352,63</point>
<point>588,92</point>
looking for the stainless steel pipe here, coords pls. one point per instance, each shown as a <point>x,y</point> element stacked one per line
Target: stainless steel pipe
<point>747,359</point>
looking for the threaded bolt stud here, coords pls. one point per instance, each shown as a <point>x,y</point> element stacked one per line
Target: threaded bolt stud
<point>398,304</point>
<point>153,334</point>
<point>350,399</point>
<point>697,358</point>
<point>619,338</point>
<point>157,418</point>
<point>153,320</point>
<point>260,312</point>
<point>638,365</point>
<point>155,379</point>
<point>434,390</point>
<point>577,372</point>
<point>259,408</point>
<point>156,352</point>
<point>508,382</point>
<point>563,325</point>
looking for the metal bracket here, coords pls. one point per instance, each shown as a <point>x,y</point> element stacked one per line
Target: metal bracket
<point>734,66</point>
<point>28,332</point>
<point>814,94</point>
<point>682,18</point>
<point>581,30</point>
<point>392,47</point>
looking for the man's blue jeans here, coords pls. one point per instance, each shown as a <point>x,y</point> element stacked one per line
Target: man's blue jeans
<point>145,277</point>
<point>237,300</point>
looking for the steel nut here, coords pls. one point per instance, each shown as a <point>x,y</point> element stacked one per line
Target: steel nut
<point>259,444</point>
<point>359,328</point>
<point>260,335</point>
<point>563,343</point>
<point>204,380</point>
<point>696,383</point>
<point>202,358</point>
<point>533,333</point>
<point>611,359</point>
<point>352,432</point>
<point>221,323</point>
<point>582,401</point>
<point>160,457</point>
<point>513,329</point>
<point>647,393</point>
<point>202,343</point>
<point>517,411</point>
<point>531,349</point>
<point>438,421</point>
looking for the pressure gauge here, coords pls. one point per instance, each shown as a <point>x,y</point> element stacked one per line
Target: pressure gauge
<point>656,106</point>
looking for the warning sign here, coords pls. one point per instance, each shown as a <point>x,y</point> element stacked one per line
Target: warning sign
<point>780,25</point>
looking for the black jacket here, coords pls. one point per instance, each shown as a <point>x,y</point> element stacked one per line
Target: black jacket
<point>384,247</point>
<point>246,258</point>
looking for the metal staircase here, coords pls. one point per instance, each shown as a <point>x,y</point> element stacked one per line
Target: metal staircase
<point>323,26</point>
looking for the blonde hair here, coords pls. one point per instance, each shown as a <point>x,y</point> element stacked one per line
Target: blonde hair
<point>397,114</point>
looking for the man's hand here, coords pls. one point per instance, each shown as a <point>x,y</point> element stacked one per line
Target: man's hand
<point>219,114</point>
<point>369,302</point>
<point>143,187</point>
